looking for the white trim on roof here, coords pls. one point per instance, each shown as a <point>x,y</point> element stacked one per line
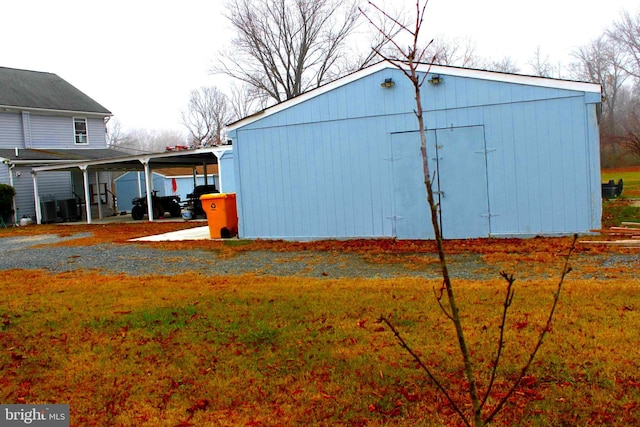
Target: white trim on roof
<point>423,68</point>
<point>17,109</point>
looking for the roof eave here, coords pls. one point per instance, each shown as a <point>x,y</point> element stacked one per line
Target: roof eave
<point>18,108</point>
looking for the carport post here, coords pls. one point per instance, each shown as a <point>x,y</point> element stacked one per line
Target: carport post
<point>36,196</point>
<point>99,198</point>
<point>139,186</point>
<point>87,195</point>
<point>204,169</point>
<point>147,184</point>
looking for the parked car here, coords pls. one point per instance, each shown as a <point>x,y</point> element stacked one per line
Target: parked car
<point>193,199</point>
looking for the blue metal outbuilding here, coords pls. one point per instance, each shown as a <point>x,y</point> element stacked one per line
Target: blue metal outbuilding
<point>511,155</point>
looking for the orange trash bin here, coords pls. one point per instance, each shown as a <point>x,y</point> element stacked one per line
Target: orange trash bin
<point>222,214</point>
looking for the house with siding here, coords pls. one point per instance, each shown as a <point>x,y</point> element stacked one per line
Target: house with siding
<point>510,155</point>
<point>44,120</point>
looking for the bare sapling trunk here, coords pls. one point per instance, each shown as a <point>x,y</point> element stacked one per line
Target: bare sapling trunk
<point>408,63</point>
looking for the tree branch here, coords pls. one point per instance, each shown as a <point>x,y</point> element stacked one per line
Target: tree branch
<point>556,296</point>
<point>505,308</point>
<point>424,367</point>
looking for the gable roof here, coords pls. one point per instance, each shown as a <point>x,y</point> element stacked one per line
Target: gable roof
<point>35,90</point>
<point>422,68</point>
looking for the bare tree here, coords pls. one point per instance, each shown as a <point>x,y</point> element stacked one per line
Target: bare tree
<point>286,47</point>
<point>115,136</point>
<point>629,119</point>
<point>626,32</point>
<point>457,52</point>
<point>206,116</point>
<point>504,65</point>
<point>245,101</point>
<point>601,62</point>
<point>541,65</point>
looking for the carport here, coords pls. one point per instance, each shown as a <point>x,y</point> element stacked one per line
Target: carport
<point>142,163</point>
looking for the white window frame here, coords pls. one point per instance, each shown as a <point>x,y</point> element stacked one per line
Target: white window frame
<point>77,136</point>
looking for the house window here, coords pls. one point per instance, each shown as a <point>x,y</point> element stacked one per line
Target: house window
<point>80,130</point>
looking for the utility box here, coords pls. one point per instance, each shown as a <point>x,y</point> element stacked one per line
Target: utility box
<point>222,214</point>
<point>48,211</point>
<point>69,209</point>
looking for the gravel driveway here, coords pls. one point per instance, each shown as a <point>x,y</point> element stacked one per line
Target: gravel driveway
<point>35,252</point>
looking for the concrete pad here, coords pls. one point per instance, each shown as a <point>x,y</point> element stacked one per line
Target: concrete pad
<point>197,233</point>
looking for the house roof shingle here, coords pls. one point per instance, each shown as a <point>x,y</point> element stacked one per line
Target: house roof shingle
<point>25,89</point>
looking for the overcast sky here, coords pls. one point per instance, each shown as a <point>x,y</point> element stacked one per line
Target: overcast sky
<point>141,58</point>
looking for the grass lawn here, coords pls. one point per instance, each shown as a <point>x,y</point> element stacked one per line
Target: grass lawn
<point>247,350</point>
<point>630,177</point>
<point>196,350</point>
<point>622,209</point>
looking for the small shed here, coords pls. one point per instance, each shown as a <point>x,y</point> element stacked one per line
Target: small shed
<point>511,155</point>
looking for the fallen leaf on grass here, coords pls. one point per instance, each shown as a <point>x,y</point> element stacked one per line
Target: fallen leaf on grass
<point>200,405</point>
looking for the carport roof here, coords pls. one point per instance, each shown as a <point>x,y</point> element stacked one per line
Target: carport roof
<point>48,160</point>
<point>39,157</point>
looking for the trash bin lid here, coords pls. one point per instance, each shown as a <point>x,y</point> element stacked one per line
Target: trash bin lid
<point>217,196</point>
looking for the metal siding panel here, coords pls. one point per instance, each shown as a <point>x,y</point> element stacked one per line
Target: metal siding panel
<point>574,171</point>
<point>552,114</point>
<point>11,130</point>
<point>301,195</point>
<point>593,167</point>
<point>4,174</point>
<point>376,153</point>
<point>451,91</point>
<point>227,175</point>
<point>329,184</point>
<point>97,134</point>
<point>278,178</point>
<point>26,129</point>
<point>52,132</point>
<point>411,218</point>
<point>336,180</point>
<point>528,191</point>
<point>500,178</point>
<point>462,179</point>
<point>293,164</point>
<point>57,132</point>
<point>127,189</point>
<point>537,175</point>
